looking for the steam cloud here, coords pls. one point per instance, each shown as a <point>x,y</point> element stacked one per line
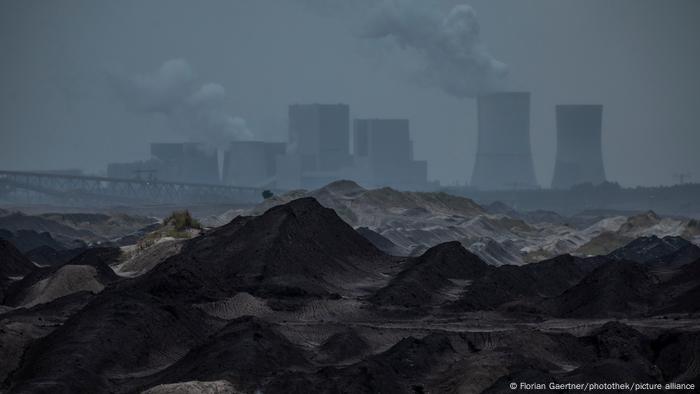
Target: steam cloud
<point>194,109</point>
<point>448,43</point>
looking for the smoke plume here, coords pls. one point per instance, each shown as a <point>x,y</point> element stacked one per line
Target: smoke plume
<point>448,43</point>
<point>193,109</point>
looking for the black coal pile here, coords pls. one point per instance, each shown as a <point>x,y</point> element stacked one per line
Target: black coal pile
<point>670,251</point>
<point>428,279</point>
<point>21,327</point>
<point>680,293</point>
<point>46,255</point>
<point>381,242</point>
<point>62,233</point>
<point>507,284</point>
<point>145,324</point>
<point>342,346</point>
<point>619,288</point>
<point>299,249</point>
<point>26,240</point>
<point>404,368</point>
<point>329,312</point>
<point>12,262</point>
<point>89,271</point>
<point>115,335</point>
<point>13,266</point>
<point>246,352</point>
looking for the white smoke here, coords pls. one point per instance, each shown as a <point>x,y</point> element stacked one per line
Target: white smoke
<point>193,109</point>
<point>448,43</point>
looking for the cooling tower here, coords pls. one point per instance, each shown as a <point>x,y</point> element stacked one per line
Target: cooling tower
<point>503,158</point>
<point>579,152</point>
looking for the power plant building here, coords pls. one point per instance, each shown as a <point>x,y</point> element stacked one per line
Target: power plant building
<point>320,135</point>
<point>579,148</point>
<point>503,158</point>
<point>386,146</point>
<point>318,153</point>
<point>251,163</point>
<point>186,162</point>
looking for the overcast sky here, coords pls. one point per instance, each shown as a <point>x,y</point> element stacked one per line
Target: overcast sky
<point>59,107</point>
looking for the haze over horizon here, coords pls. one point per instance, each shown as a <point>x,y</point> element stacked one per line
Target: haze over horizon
<point>242,63</point>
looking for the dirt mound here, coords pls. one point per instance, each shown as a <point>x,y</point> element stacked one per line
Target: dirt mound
<point>215,387</point>
<point>60,232</point>
<point>344,345</point>
<point>12,262</point>
<point>86,272</point>
<point>297,249</point>
<point>26,240</point>
<point>296,301</point>
<point>668,250</point>
<point>20,327</point>
<point>496,253</point>
<point>246,352</point>
<point>676,354</point>
<point>381,242</point>
<point>13,265</point>
<point>140,261</point>
<point>46,255</point>
<point>401,369</point>
<point>115,338</point>
<point>603,243</point>
<point>618,288</point>
<point>681,292</point>
<point>505,284</point>
<point>136,236</point>
<point>108,226</point>
<point>242,304</point>
<point>430,278</point>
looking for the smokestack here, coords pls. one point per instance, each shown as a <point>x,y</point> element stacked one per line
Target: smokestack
<point>579,152</point>
<point>504,159</point>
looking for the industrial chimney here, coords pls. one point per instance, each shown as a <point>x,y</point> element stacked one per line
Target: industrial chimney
<point>579,152</point>
<point>503,158</point>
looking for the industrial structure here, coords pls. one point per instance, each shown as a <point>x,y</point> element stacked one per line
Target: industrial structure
<point>320,134</point>
<point>386,146</point>
<point>503,158</point>
<point>579,148</point>
<point>173,162</point>
<point>47,187</point>
<point>251,163</point>
<point>186,162</point>
<point>319,150</point>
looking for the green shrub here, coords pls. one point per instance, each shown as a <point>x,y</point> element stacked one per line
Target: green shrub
<point>182,220</point>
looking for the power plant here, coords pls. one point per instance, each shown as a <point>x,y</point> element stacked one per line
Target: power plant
<point>579,148</point>
<point>251,163</point>
<point>503,158</point>
<point>175,162</point>
<point>186,162</point>
<point>321,135</point>
<point>319,150</point>
<point>379,152</point>
<point>387,147</point>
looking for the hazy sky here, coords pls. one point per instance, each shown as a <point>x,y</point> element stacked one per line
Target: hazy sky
<point>59,107</point>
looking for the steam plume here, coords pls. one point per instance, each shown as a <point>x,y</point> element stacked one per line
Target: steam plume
<point>447,42</point>
<point>194,109</point>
